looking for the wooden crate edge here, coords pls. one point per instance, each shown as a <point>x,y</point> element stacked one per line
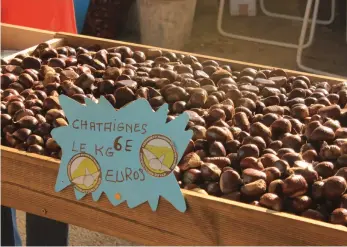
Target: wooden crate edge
<point>53,42</point>
<point>39,160</point>
<point>6,25</point>
<point>14,37</point>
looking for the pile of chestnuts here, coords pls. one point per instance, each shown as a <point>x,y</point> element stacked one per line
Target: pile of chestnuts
<point>260,136</point>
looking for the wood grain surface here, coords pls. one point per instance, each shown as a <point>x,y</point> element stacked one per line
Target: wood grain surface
<point>28,184</point>
<point>15,37</point>
<point>52,42</point>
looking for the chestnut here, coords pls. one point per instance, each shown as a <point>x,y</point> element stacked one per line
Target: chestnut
<point>210,172</point>
<point>313,214</point>
<point>334,187</point>
<point>220,134</point>
<point>213,188</point>
<point>322,133</point>
<point>53,114</point>
<point>21,134</point>
<point>325,169</point>
<point>342,172</point>
<point>259,129</point>
<point>254,189</point>
<point>268,160</point>
<point>190,160</point>
<point>301,203</point>
<point>35,148</point>
<point>251,162</point>
<point>14,106</point>
<point>217,149</point>
<point>191,176</point>
<point>52,145</point>
<point>248,150</point>
<point>294,185</point>
<point>28,122</point>
<point>281,126</point>
<point>221,162</point>
<point>282,166</point>
<point>271,201</point>
<point>250,175</point>
<point>272,173</point>
<point>34,139</point>
<point>230,181</point>
<point>6,119</point>
<point>339,216</point>
<point>241,121</point>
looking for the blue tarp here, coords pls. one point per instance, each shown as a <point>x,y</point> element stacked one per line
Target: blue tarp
<point>81,8</point>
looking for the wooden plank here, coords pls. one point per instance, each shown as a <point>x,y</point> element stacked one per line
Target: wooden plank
<point>28,184</point>
<point>52,42</point>
<point>82,40</point>
<point>15,37</point>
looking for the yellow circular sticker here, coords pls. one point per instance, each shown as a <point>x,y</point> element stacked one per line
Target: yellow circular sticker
<point>84,172</point>
<point>158,155</point>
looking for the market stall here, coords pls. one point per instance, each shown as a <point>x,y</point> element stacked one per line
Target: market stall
<point>28,179</point>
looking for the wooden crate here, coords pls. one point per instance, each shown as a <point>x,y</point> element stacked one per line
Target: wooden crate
<point>28,184</point>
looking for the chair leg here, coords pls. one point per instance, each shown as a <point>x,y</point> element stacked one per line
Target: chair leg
<point>302,38</point>
<point>247,38</point>
<point>298,18</point>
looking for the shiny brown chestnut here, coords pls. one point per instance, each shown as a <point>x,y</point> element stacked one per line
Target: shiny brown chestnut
<point>210,172</point>
<point>190,160</point>
<point>34,139</point>
<point>217,149</point>
<point>254,189</point>
<point>250,175</point>
<point>301,203</point>
<point>271,201</point>
<point>220,161</point>
<point>334,187</point>
<point>339,216</point>
<point>248,150</point>
<point>313,214</point>
<point>294,185</point>
<point>230,181</point>
<point>251,162</point>
<point>191,176</point>
<point>37,149</point>
<point>324,169</point>
<point>272,173</point>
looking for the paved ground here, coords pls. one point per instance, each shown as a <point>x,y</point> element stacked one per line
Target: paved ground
<point>78,236</point>
<point>328,52</point>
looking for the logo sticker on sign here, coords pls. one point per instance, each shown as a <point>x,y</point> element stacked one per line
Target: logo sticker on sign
<point>129,154</point>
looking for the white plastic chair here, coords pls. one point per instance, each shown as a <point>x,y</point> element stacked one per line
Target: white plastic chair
<point>264,41</point>
<point>302,38</point>
<point>301,45</point>
<point>298,18</point>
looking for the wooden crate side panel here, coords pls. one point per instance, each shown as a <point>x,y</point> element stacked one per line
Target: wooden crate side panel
<point>52,42</point>
<point>15,37</point>
<point>82,40</point>
<point>208,221</point>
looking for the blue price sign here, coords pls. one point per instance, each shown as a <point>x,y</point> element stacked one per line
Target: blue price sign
<point>128,154</point>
